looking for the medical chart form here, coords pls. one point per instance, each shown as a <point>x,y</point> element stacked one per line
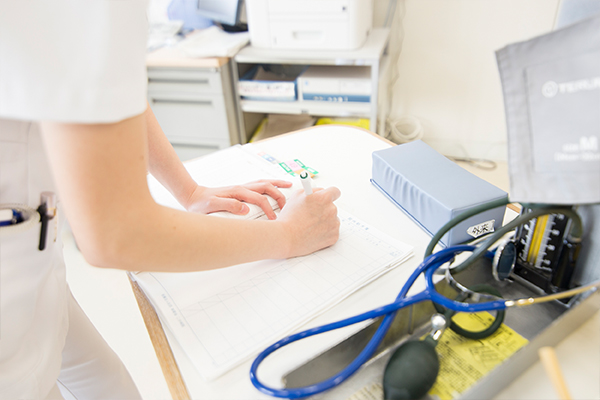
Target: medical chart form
<point>223,317</point>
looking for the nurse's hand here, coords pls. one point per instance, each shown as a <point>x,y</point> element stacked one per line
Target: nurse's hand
<point>233,198</point>
<point>311,222</point>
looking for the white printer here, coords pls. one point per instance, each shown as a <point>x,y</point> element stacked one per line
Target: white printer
<point>309,24</point>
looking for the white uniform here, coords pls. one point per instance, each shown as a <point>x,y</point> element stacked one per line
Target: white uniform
<point>67,61</point>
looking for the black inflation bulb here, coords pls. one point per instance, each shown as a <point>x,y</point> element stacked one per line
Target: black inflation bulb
<point>411,370</point>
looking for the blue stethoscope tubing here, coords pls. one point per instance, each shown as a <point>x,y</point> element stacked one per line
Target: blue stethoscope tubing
<point>428,267</point>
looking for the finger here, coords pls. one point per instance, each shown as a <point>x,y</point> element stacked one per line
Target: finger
<point>265,187</point>
<point>272,191</point>
<point>253,197</point>
<point>332,192</point>
<point>277,182</point>
<point>230,205</point>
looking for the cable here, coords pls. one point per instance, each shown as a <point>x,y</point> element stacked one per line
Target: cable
<point>429,267</point>
<point>459,218</point>
<point>475,335</point>
<point>394,20</point>
<point>405,129</point>
<point>550,297</point>
<point>431,264</point>
<point>365,354</point>
<point>481,163</point>
<point>389,16</point>
<point>575,234</point>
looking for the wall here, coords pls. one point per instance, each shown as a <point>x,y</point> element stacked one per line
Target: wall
<point>448,77</point>
<point>157,11</point>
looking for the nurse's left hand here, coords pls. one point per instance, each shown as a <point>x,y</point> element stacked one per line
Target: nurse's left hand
<point>233,198</point>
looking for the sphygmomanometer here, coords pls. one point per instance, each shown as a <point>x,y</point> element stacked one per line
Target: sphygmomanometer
<point>551,87</point>
<point>408,357</point>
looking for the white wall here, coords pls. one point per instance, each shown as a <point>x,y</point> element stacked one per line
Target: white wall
<point>448,77</point>
<point>157,10</point>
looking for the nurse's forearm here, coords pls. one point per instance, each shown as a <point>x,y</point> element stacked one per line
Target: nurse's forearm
<point>165,165</point>
<point>100,171</point>
<point>173,240</point>
<point>163,162</point>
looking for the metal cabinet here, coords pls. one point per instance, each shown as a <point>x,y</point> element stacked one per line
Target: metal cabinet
<point>194,105</point>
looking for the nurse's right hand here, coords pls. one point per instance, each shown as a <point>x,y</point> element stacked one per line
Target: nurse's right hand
<point>311,221</point>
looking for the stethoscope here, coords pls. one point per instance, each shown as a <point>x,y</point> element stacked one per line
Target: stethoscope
<point>430,265</point>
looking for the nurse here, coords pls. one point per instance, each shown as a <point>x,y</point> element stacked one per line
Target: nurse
<point>74,121</point>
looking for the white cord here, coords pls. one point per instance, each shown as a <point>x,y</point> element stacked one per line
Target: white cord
<point>405,129</point>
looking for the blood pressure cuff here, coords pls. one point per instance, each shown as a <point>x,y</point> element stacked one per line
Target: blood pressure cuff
<point>432,190</point>
<point>551,88</point>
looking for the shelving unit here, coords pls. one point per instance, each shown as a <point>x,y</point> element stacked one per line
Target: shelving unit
<point>372,54</point>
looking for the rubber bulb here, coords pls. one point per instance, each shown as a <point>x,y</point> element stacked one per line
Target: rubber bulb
<point>411,370</point>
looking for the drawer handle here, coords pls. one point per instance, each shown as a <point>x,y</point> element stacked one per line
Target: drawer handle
<point>190,81</point>
<point>196,102</point>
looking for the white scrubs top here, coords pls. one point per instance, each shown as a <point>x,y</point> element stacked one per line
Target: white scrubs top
<point>68,61</point>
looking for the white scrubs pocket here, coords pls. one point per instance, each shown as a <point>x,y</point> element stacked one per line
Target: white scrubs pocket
<point>33,308</point>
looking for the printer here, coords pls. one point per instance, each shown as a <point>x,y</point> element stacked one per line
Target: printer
<point>309,24</point>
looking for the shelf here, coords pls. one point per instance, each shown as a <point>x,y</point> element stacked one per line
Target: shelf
<point>368,54</point>
<point>362,110</point>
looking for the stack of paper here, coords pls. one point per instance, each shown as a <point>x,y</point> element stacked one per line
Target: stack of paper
<point>221,318</point>
<point>163,33</point>
<point>213,42</point>
<point>266,85</point>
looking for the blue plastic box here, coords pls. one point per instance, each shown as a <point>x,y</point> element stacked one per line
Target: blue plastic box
<point>432,190</point>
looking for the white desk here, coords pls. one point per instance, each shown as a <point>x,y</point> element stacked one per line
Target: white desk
<point>343,158</point>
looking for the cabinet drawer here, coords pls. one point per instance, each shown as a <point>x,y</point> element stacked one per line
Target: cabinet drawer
<point>200,120</point>
<point>184,81</point>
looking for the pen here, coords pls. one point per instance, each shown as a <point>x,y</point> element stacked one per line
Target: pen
<point>47,211</point>
<point>305,179</point>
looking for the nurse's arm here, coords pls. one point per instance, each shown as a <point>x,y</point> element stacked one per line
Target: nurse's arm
<point>100,171</point>
<point>164,165</point>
